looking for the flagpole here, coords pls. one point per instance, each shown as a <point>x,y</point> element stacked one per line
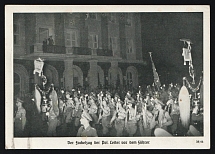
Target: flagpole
<point>150,54</point>
<point>154,72</point>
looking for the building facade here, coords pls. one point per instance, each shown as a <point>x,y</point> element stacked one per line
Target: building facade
<point>88,49</point>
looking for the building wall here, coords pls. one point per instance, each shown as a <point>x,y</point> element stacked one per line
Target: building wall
<point>94,27</point>
<point>137,37</point>
<point>59,28</point>
<point>59,24</point>
<point>130,33</point>
<point>45,20</point>
<point>19,48</point>
<point>113,31</point>
<point>30,31</point>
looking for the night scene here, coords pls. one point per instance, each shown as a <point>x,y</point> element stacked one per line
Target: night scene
<point>111,74</point>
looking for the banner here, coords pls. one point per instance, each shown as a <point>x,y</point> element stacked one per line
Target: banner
<point>187,55</point>
<point>38,66</point>
<point>37,98</point>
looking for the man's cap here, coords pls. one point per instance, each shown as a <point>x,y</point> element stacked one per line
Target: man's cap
<point>68,93</point>
<point>75,94</point>
<point>130,100</point>
<point>129,92</point>
<point>108,93</point>
<point>116,95</point>
<point>19,100</point>
<point>86,116</point>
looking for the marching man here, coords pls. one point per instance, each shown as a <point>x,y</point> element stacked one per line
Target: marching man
<point>86,130</point>
<point>20,118</point>
<point>162,117</point>
<point>119,118</point>
<point>131,119</point>
<point>53,113</point>
<point>93,109</point>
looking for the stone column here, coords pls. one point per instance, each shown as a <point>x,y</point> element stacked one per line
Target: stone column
<point>114,66</point>
<point>93,74</point>
<point>68,74</point>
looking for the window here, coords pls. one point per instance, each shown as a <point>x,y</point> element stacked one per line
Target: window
<point>43,34</point>
<point>93,16</point>
<point>113,18</point>
<point>93,41</point>
<point>113,43</point>
<point>129,45</point>
<point>71,39</point>
<point>16,33</point>
<point>128,19</point>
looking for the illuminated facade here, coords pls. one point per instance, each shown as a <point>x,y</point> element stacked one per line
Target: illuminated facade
<point>89,50</point>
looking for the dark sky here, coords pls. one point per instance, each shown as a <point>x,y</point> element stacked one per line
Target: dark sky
<point>161,34</point>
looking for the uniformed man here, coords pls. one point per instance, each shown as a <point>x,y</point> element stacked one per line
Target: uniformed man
<point>86,130</point>
<point>196,117</point>
<point>131,119</point>
<point>78,109</point>
<point>163,118</point>
<point>164,94</point>
<point>105,114</point>
<point>50,41</point>
<point>69,108</point>
<point>53,114</point>
<point>140,105</point>
<point>147,121</point>
<point>119,118</point>
<point>20,119</point>
<point>93,109</point>
<point>173,109</point>
<point>110,103</point>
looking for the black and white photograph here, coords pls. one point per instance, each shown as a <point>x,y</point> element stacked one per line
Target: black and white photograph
<point>114,78</point>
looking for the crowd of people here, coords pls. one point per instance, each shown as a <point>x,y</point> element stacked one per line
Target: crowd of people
<point>108,113</point>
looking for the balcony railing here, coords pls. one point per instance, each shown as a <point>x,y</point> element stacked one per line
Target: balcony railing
<point>78,51</point>
<point>56,49</point>
<point>104,52</point>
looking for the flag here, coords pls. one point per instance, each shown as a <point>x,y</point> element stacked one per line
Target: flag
<point>38,66</point>
<point>54,101</point>
<point>184,106</point>
<point>187,56</point>
<point>156,77</point>
<point>37,99</point>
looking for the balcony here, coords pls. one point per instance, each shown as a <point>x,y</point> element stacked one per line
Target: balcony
<point>104,52</point>
<point>78,51</point>
<point>55,49</point>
